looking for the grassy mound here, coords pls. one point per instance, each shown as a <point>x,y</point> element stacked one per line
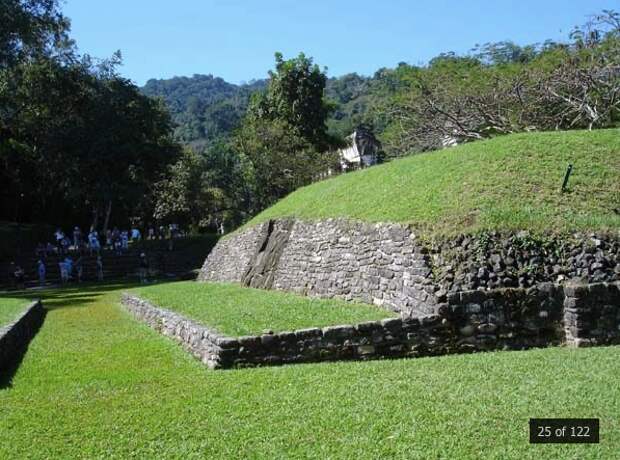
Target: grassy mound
<point>10,308</point>
<point>507,183</point>
<point>237,311</point>
<point>96,384</point>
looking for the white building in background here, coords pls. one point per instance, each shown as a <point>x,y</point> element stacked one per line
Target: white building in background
<point>363,150</point>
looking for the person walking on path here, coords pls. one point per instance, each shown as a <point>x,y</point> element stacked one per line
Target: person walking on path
<point>108,240</point>
<point>65,243</point>
<point>124,241</point>
<point>69,267</point>
<point>136,236</point>
<point>41,271</point>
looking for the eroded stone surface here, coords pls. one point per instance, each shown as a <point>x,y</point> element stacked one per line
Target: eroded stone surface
<point>264,263</point>
<point>519,259</point>
<point>230,258</point>
<point>374,263</point>
<point>390,266</point>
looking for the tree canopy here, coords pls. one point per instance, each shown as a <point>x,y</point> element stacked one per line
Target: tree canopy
<point>75,136</point>
<point>79,142</point>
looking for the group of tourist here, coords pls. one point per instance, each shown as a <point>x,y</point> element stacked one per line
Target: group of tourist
<point>72,247</point>
<point>115,239</point>
<point>164,232</point>
<point>68,269</point>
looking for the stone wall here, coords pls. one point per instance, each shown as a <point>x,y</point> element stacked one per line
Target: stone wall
<point>262,268</point>
<point>15,336</point>
<point>508,319</point>
<point>548,314</point>
<point>205,344</point>
<point>393,337</point>
<point>390,266</point>
<point>380,264</point>
<point>592,314</point>
<point>374,263</point>
<point>230,258</point>
<point>495,260</point>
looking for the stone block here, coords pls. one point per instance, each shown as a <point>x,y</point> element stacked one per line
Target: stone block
<point>365,350</point>
<point>338,332</point>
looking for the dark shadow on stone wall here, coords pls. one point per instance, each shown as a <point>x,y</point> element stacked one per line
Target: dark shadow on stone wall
<point>262,267</point>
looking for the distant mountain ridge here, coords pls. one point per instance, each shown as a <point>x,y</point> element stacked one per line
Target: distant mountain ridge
<point>205,108</point>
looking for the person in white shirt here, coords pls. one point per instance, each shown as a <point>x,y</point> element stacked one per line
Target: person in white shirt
<point>60,236</point>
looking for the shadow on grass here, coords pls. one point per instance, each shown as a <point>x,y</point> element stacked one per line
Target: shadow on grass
<point>11,367</point>
<point>78,296</point>
<point>75,296</point>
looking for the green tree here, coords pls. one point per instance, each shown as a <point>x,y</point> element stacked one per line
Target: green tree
<point>79,138</point>
<point>211,190</point>
<point>31,28</point>
<point>295,95</point>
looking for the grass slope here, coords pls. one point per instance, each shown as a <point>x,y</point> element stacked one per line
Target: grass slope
<point>96,384</point>
<point>10,308</point>
<point>237,311</point>
<point>510,182</point>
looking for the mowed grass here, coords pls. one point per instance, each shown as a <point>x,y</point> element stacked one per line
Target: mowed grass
<point>10,308</point>
<point>97,384</point>
<point>235,311</point>
<point>506,183</point>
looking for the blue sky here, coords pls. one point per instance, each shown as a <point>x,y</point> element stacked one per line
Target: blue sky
<point>236,39</point>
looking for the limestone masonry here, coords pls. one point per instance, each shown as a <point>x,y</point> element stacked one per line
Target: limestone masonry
<point>470,293</point>
<point>503,319</point>
<point>390,266</point>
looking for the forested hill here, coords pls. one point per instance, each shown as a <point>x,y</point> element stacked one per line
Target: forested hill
<point>204,108</point>
<point>207,108</point>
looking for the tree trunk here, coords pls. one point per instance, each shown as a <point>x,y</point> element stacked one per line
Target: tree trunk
<point>106,222</point>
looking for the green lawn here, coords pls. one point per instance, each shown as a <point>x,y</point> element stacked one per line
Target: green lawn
<point>97,384</point>
<point>237,311</point>
<point>10,308</point>
<point>510,182</point>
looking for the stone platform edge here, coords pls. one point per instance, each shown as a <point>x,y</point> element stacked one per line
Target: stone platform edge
<point>506,319</point>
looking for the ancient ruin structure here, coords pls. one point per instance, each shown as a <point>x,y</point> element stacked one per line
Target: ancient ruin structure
<point>466,293</point>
